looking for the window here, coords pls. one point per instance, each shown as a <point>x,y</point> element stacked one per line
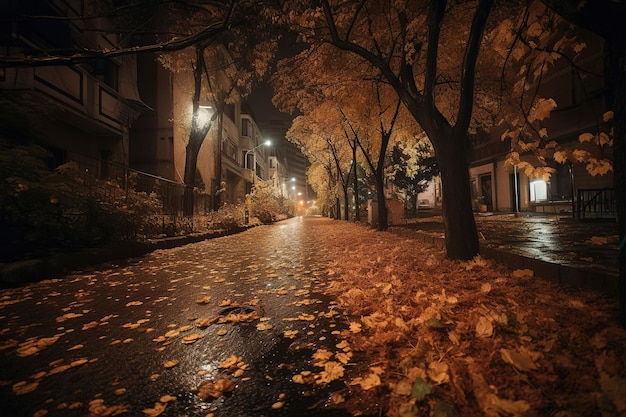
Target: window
<point>107,72</point>
<point>246,129</point>
<point>538,191</point>
<point>230,150</point>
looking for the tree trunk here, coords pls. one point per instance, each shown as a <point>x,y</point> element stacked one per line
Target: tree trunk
<point>615,76</point>
<point>191,163</point>
<point>217,194</point>
<point>458,217</point>
<point>346,202</point>
<point>357,215</point>
<point>337,208</point>
<point>413,200</point>
<point>382,207</point>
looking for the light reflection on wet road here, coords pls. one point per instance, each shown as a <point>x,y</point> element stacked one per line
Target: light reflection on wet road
<point>106,333</point>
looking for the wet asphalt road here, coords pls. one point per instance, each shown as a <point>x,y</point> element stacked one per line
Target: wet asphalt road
<point>97,342</point>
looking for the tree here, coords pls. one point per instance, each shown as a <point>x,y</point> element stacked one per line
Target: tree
<point>413,167</point>
<point>404,43</point>
<point>326,77</point>
<point>239,57</point>
<point>606,18</point>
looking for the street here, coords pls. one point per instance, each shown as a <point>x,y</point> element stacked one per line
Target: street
<point>141,337</point>
<point>302,318</point>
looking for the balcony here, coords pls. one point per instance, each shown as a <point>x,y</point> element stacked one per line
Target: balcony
<point>85,101</point>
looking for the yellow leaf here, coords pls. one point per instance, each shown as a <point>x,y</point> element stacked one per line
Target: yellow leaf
<point>523,273</point>
<point>370,381</point>
<point>204,300</point>
<point>263,326</point>
<point>191,338</point>
<point>608,116</point>
<point>230,361</point>
<point>22,387</point>
<point>171,363</point>
<point>332,371</point>
<point>355,327</point>
<point>290,334</point>
<point>523,361</point>
<point>585,137</point>
<point>438,372</point>
<point>167,398</point>
<point>158,409</point>
<point>484,328</point>
<point>134,303</point>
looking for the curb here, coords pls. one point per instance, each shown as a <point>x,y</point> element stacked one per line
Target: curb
<point>593,279</point>
<point>33,270</point>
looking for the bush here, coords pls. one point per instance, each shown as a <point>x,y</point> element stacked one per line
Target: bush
<point>44,211</point>
<point>265,205</point>
<point>228,217</point>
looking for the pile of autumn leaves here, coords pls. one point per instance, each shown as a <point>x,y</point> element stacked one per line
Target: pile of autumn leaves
<point>445,338</point>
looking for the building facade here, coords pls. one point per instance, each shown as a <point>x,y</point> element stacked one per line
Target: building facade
<point>498,186</point>
<point>81,112</point>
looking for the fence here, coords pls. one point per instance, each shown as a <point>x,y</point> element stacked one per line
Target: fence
<point>169,193</point>
<point>596,203</point>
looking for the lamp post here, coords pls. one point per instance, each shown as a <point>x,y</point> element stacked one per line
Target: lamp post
<point>253,152</point>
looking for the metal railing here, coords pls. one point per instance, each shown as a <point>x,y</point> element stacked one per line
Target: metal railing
<point>596,203</point>
<point>114,176</point>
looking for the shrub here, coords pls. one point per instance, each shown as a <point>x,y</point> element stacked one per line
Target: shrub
<point>44,211</point>
<point>267,206</point>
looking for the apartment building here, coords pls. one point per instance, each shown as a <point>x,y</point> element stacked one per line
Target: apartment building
<point>501,187</point>
<point>123,112</point>
<point>79,112</point>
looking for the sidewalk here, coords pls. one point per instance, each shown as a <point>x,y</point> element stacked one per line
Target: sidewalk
<point>556,247</point>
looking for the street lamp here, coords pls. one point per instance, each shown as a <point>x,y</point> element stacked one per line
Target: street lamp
<point>252,151</point>
<point>204,114</point>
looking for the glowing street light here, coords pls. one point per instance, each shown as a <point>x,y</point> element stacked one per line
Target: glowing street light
<point>252,151</point>
<point>204,115</point>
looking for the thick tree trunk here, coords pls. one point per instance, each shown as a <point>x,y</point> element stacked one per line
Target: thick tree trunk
<point>458,217</point>
<point>191,163</point>
<point>357,214</point>
<point>382,207</point>
<point>615,75</point>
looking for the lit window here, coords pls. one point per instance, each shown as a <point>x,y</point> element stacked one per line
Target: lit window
<point>538,191</point>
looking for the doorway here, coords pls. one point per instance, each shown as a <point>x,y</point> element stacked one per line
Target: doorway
<point>485,187</point>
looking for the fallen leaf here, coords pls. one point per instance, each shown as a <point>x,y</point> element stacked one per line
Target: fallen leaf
<point>438,372</point>
<point>523,273</point>
<point>263,326</point>
<point>420,389</point>
<point>23,387</point>
<point>523,361</point>
<point>134,303</point>
<point>204,300</point>
<point>290,334</point>
<point>370,381</point>
<point>215,389</point>
<point>278,405</point>
<point>171,363</point>
<point>191,338</point>
<point>332,371</point>
<point>158,409</point>
<point>90,325</point>
<point>67,317</point>
<point>484,328</point>
<point>167,398</point>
